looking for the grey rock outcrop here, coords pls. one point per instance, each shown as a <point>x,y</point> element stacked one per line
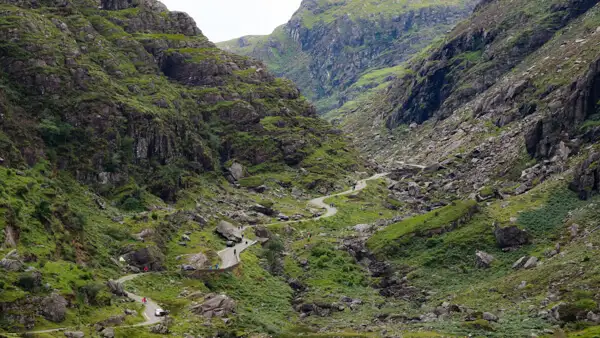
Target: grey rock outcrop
<point>116,288</point>
<point>74,334</point>
<point>531,263</point>
<point>228,231</point>
<point>510,236</point>
<point>262,232</point>
<point>483,259</point>
<point>266,210</point>
<point>11,265</point>
<point>586,180</point>
<point>54,308</point>
<point>215,306</point>
<point>237,171</point>
<point>150,256</point>
<point>197,261</point>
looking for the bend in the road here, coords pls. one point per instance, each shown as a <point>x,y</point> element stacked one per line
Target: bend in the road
<point>229,256</point>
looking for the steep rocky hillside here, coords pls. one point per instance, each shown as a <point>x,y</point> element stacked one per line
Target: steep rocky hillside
<point>511,86</point>
<point>122,128</point>
<point>136,91</point>
<point>491,140</point>
<point>334,50</point>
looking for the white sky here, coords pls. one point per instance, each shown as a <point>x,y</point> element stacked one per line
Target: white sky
<point>222,20</point>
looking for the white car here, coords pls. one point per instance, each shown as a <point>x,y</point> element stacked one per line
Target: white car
<point>160,313</point>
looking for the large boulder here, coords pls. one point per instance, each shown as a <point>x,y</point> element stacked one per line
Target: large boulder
<point>266,210</point>
<point>111,321</point>
<point>149,256</point>
<point>116,288</point>
<point>587,177</point>
<point>229,231</point>
<point>237,171</point>
<point>108,332</point>
<point>142,235</point>
<point>215,306</point>
<point>483,259</point>
<point>520,262</point>
<point>262,232</point>
<point>54,308</point>
<point>197,261</point>
<point>11,265</point>
<point>510,236</point>
<point>531,263</point>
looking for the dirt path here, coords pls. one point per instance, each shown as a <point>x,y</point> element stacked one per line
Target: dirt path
<point>229,256</point>
<point>331,211</point>
<point>149,308</point>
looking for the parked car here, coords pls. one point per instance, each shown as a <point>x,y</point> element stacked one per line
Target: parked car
<point>160,313</point>
<point>230,244</point>
<point>188,268</point>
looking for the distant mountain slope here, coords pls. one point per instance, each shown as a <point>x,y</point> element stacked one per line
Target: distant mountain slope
<point>335,49</point>
<point>515,85</point>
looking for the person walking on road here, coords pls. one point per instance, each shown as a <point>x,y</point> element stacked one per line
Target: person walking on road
<point>144,301</point>
<point>234,251</point>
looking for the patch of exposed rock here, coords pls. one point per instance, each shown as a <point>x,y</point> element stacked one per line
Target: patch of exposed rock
<point>214,306</point>
<point>229,231</point>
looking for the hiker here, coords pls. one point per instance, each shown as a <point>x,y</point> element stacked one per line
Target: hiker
<point>234,251</point>
<point>246,242</point>
<point>144,300</point>
<point>217,266</point>
<point>145,269</point>
<point>354,188</point>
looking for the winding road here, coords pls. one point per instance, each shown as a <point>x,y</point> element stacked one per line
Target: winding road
<point>331,211</point>
<point>230,256</point>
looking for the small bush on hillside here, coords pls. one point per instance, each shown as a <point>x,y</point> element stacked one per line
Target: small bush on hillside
<point>132,204</point>
<point>479,324</point>
<point>29,281</point>
<point>94,294</point>
<point>251,182</point>
<point>548,218</point>
<point>586,304</point>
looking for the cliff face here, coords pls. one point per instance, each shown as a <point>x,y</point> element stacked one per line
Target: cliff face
<point>328,46</point>
<point>131,90</point>
<point>515,87</point>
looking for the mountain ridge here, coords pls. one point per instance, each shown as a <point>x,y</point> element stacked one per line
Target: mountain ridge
<point>340,41</point>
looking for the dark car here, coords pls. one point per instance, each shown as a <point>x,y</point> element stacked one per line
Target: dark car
<point>230,244</point>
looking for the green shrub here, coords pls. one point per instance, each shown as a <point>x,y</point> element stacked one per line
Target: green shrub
<point>479,324</point>
<point>29,281</point>
<point>43,212</point>
<point>586,305</point>
<point>486,191</point>
<point>272,252</point>
<point>132,204</point>
<point>251,182</point>
<point>117,233</point>
<point>548,218</point>
<point>266,203</point>
<point>94,294</point>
